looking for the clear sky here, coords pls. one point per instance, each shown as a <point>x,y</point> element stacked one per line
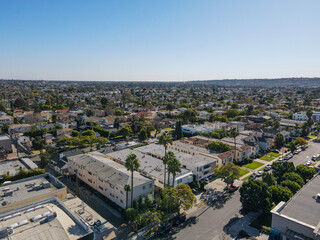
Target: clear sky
<point>159,39</point>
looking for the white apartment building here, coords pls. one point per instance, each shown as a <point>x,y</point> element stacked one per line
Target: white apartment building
<point>302,116</point>
<point>109,178</point>
<point>201,165</point>
<point>5,120</point>
<point>152,167</point>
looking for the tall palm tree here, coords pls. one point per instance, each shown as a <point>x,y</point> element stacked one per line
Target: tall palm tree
<point>174,166</point>
<point>165,139</point>
<point>127,188</point>
<point>234,133</point>
<point>132,164</point>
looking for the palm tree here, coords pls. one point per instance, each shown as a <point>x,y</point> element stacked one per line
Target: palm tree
<point>165,139</point>
<point>127,188</point>
<point>234,133</point>
<point>174,166</point>
<point>132,164</point>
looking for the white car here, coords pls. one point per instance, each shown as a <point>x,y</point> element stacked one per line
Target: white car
<point>259,174</point>
<point>307,163</point>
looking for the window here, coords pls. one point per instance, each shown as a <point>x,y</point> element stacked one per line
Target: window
<point>121,192</point>
<point>90,173</point>
<point>150,185</point>
<point>89,180</point>
<point>121,201</point>
<point>179,181</point>
<point>101,187</point>
<point>144,187</point>
<point>111,186</point>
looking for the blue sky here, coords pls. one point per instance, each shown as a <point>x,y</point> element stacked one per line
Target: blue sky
<point>164,40</point>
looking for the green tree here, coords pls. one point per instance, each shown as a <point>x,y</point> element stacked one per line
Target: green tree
<point>232,113</point>
<point>178,131</point>
<point>75,133</point>
<point>234,106</point>
<point>228,173</point>
<point>292,176</point>
<point>269,179</point>
<point>132,164</point>
<point>118,113</point>
<point>306,172</point>
<point>20,103</point>
<point>116,123</point>
<point>301,141</point>
<point>293,186</point>
<point>218,146</point>
<point>275,124</point>
<point>279,169</point>
<point>280,193</point>
<point>174,167</point>
<point>143,135</point>
<point>189,115</point>
<point>45,159</point>
<point>292,146</point>
<point>89,133</point>
<point>125,131</point>
<point>3,107</point>
<point>127,188</point>
<point>255,195</point>
<point>165,139</point>
<point>234,133</point>
<point>104,101</point>
<point>279,140</point>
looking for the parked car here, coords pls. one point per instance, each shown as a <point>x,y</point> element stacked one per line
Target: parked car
<point>253,176</point>
<point>164,229</point>
<point>307,163</point>
<point>259,174</point>
<point>267,168</point>
<point>276,151</point>
<point>180,219</point>
<point>304,147</point>
<point>233,188</point>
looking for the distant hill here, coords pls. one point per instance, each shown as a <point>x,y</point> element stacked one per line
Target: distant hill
<point>276,82</point>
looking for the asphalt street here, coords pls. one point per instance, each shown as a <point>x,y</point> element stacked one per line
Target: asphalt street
<point>302,157</point>
<point>211,220</point>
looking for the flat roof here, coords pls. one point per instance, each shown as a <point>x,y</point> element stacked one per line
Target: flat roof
<point>4,137</point>
<point>62,227</point>
<point>148,164</point>
<point>303,206</point>
<point>24,189</point>
<point>108,170</point>
<point>13,166</point>
<point>184,158</point>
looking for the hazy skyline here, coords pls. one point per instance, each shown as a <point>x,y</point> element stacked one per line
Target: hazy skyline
<point>159,40</point>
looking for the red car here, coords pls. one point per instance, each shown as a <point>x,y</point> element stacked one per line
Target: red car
<point>233,188</point>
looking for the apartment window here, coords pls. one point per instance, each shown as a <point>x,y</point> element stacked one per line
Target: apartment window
<point>150,185</point>
<point>121,192</point>
<point>101,187</point>
<point>111,186</point>
<point>179,181</point>
<point>121,201</point>
<point>144,187</point>
<point>89,180</point>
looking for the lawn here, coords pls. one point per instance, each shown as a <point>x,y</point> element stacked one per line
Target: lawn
<point>266,158</point>
<point>312,136</point>
<point>262,222</point>
<point>253,165</point>
<point>273,154</point>
<point>243,172</point>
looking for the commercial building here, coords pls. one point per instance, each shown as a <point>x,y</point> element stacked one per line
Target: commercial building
<point>11,167</point>
<point>5,143</point>
<point>299,218</point>
<point>45,219</point>
<point>109,178</point>
<point>29,190</point>
<point>152,167</point>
